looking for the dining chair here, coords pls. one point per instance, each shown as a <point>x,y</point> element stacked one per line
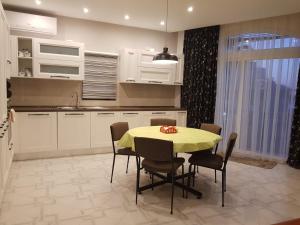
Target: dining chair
<point>215,162</point>
<point>162,121</point>
<point>158,158</point>
<point>117,131</point>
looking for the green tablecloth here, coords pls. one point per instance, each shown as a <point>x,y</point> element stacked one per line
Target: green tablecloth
<point>185,140</point>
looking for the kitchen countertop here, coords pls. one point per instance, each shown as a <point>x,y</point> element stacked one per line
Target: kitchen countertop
<point>93,108</point>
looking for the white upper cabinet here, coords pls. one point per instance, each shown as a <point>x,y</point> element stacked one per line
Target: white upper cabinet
<point>179,71</point>
<point>128,62</point>
<point>25,22</point>
<point>136,66</point>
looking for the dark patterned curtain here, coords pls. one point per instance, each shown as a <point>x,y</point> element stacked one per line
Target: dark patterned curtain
<point>294,154</point>
<point>198,94</point>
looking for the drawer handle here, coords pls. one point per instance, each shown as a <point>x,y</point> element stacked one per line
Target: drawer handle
<point>177,82</point>
<point>67,77</point>
<point>130,113</point>
<point>38,114</point>
<point>158,113</point>
<point>105,114</point>
<point>154,82</point>
<point>74,114</point>
<point>130,80</point>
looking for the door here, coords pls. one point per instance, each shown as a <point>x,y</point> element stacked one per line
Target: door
<point>74,130</point>
<point>37,132</point>
<point>100,128</point>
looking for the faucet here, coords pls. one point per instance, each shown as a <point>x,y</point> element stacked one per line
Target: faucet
<point>75,94</point>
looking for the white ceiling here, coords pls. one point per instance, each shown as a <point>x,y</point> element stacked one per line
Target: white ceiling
<point>149,13</point>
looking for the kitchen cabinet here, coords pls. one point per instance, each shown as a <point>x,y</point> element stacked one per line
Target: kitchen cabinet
<point>100,128</point>
<point>128,69</point>
<point>134,119</point>
<point>74,130</point>
<point>158,114</point>
<point>179,71</point>
<point>37,132</point>
<point>136,66</point>
<point>181,117</point>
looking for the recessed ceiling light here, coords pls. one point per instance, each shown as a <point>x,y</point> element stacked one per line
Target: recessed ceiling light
<point>126,17</point>
<point>190,9</point>
<point>162,23</point>
<point>38,2</point>
<point>85,10</point>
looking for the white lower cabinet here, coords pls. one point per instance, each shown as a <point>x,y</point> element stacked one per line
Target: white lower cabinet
<point>181,118</point>
<point>37,132</point>
<point>100,128</point>
<point>134,119</point>
<point>159,114</point>
<point>74,130</point>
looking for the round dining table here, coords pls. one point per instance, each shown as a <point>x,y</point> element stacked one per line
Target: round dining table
<point>185,140</point>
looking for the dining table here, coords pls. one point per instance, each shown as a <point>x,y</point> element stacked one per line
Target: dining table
<point>185,140</point>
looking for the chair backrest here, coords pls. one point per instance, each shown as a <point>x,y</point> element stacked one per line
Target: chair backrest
<point>154,149</point>
<point>230,146</point>
<point>118,130</point>
<point>162,121</point>
<point>211,128</point>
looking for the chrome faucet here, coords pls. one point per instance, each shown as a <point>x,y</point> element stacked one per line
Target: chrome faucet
<point>75,95</point>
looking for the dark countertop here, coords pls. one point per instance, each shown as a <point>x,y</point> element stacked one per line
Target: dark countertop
<point>93,108</point>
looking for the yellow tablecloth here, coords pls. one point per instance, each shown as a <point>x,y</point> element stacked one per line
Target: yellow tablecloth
<point>185,140</point>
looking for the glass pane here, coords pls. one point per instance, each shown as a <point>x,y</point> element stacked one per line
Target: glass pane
<point>60,50</point>
<point>60,69</point>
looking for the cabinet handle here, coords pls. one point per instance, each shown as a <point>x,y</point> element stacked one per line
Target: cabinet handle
<point>74,114</point>
<point>38,114</point>
<point>8,61</point>
<point>130,113</point>
<point>130,80</point>
<point>53,76</point>
<point>158,113</point>
<point>154,82</point>
<point>177,82</point>
<point>105,114</point>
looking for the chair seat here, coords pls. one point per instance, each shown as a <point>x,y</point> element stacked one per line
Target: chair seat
<point>126,151</point>
<point>207,160</point>
<point>163,167</point>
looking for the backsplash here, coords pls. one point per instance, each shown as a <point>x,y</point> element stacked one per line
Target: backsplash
<point>43,92</point>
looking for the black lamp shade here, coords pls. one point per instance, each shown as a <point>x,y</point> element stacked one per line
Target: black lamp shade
<point>165,58</point>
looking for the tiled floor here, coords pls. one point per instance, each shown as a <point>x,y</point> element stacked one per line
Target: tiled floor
<point>77,191</point>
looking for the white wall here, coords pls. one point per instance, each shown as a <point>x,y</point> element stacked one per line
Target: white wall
<point>103,37</point>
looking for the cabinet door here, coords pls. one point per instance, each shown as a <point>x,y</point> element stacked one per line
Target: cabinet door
<point>74,130</point>
<point>37,131</point>
<point>58,69</point>
<point>58,50</point>
<point>181,118</point>
<point>100,128</point>
<point>155,75</point>
<point>159,114</point>
<point>145,59</point>
<point>134,119</point>
<point>179,71</point>
<point>128,66</point>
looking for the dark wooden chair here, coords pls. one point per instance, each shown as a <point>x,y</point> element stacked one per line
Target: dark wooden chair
<point>215,162</point>
<point>117,131</point>
<point>162,121</point>
<point>158,158</point>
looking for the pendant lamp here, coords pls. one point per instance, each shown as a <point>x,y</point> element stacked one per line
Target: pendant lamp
<point>165,57</point>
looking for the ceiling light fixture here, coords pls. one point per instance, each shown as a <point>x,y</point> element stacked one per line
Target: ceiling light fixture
<point>162,23</point>
<point>126,17</point>
<point>38,2</point>
<point>165,57</point>
<point>85,10</point>
<point>190,9</point>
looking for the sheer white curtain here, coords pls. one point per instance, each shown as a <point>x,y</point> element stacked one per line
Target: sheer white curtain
<point>257,78</point>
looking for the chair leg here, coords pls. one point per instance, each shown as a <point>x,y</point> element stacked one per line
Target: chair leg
<point>189,179</point>
<point>197,169</point>
<point>127,164</point>
<point>194,175</point>
<point>152,181</point>
<point>182,180</point>
<point>223,183</point>
<point>225,178</point>
<point>112,170</point>
<point>215,176</point>
<point>172,192</point>
<point>137,182</point>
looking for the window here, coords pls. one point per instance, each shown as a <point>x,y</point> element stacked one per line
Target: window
<point>100,82</point>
